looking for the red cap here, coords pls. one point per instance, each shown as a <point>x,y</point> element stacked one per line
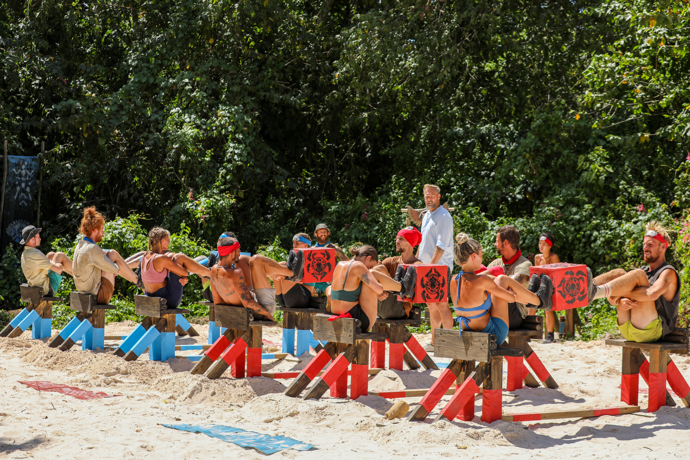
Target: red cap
<point>412,235</point>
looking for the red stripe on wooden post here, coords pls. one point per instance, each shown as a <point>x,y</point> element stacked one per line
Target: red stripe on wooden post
<point>392,394</point>
<point>339,388</point>
<point>416,348</point>
<point>492,405</point>
<point>657,391</point>
<point>238,366</point>
<point>538,367</point>
<point>217,348</point>
<point>525,417</point>
<point>316,364</point>
<point>280,375</point>
<point>463,394</point>
<point>254,362</point>
<point>232,353</point>
<point>516,373</point>
<point>630,387</point>
<point>676,380</point>
<point>437,390</point>
<point>335,370</point>
<point>359,382</point>
<point>378,354</point>
<point>611,410</point>
<point>395,356</point>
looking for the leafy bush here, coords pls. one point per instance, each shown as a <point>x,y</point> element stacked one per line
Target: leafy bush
<point>11,277</point>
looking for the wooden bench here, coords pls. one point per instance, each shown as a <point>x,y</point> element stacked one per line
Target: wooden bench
<point>242,334</point>
<point>38,314</point>
<point>464,351</point>
<point>156,332</point>
<point>531,328</point>
<point>402,344</point>
<point>345,344</point>
<point>300,319</point>
<point>656,372</point>
<point>87,326</point>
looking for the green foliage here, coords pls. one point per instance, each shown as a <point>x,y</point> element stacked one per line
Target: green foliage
<point>274,251</point>
<point>11,277</point>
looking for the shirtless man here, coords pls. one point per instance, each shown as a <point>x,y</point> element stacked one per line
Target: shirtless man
<point>646,299</point>
<point>405,241</point>
<point>95,268</point>
<point>228,284</point>
<point>357,288</point>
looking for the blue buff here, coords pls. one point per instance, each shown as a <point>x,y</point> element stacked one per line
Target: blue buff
<point>301,239</point>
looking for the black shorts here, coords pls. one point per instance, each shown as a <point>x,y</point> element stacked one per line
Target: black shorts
<point>391,308</point>
<point>297,297</point>
<point>357,313</point>
<point>514,316</point>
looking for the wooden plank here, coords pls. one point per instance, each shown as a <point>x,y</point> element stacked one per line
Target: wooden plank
<point>232,317</point>
<point>398,333</point>
<point>340,331</point>
<point>466,368</point>
<point>658,359</point>
<point>174,311</point>
<point>362,356</point>
<point>303,322</point>
<point>289,320</point>
<point>679,335</point>
<point>312,311</point>
<point>470,346</point>
<point>570,323</point>
<point>256,338</point>
<point>582,413</point>
<point>149,306</point>
<point>81,302</point>
<point>494,381</point>
<point>528,333</point>
<point>31,294</point>
<point>507,351</point>
<point>631,361</point>
<point>45,309</point>
<point>670,346</point>
<point>97,319</point>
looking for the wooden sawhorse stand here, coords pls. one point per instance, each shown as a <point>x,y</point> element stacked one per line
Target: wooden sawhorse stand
<point>656,372</point>
<point>465,350</point>
<point>346,345</point>
<point>532,327</point>
<point>38,314</point>
<point>300,319</point>
<point>156,332</point>
<point>87,326</point>
<point>242,334</point>
<point>402,344</point>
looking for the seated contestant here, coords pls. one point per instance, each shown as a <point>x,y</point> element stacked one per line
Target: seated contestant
<point>481,303</point>
<point>646,299</point>
<point>95,268</point>
<point>356,288</point>
<point>289,291</point>
<point>405,241</point>
<point>163,272</point>
<point>212,260</point>
<point>323,240</point>
<point>228,284</point>
<point>44,271</point>
<point>547,256</point>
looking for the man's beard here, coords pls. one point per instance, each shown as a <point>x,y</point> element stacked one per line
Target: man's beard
<point>398,249</point>
<point>322,240</point>
<point>651,258</point>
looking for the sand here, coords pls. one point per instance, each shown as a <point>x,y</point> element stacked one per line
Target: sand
<point>46,425</point>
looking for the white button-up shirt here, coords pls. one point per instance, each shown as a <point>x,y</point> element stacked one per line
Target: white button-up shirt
<point>437,232</point>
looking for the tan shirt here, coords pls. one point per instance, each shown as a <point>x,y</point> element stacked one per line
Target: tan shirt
<point>36,266</point>
<point>520,267</point>
<point>88,264</point>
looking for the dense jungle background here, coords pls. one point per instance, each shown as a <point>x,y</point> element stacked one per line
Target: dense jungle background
<point>267,117</point>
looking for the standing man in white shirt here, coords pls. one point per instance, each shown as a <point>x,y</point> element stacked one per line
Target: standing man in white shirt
<point>437,248</point>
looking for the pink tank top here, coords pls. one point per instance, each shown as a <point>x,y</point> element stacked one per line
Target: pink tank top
<point>149,274</point>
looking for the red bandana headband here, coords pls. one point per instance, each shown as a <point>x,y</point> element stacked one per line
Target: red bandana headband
<point>227,250</point>
<point>548,241</point>
<point>656,236</point>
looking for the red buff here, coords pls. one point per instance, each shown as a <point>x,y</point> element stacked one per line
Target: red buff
<point>227,250</point>
<point>412,235</point>
<point>513,260</point>
<point>547,241</point>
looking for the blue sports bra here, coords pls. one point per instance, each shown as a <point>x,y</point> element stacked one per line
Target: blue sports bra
<point>465,320</point>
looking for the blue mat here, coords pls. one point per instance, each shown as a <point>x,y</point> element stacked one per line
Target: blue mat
<point>262,442</point>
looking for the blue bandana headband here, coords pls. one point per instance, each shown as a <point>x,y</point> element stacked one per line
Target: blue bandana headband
<point>302,239</point>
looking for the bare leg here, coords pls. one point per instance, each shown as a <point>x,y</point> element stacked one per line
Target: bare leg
<point>283,285</point>
<point>381,274</point>
<point>369,302</point>
<point>263,268</point>
<point>61,258</point>
<point>499,309</point>
<point>124,271</point>
<point>609,276</point>
<point>550,321</point>
<point>134,259</point>
<point>522,294</point>
<point>439,314</point>
<point>644,312</point>
<point>191,265</point>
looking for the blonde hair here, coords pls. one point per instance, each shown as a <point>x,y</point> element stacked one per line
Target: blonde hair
<point>92,220</point>
<point>464,248</point>
<point>435,187</point>
<point>156,235</point>
<point>657,227</point>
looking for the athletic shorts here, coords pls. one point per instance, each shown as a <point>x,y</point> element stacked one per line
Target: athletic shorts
<point>266,297</point>
<point>105,292</point>
<point>357,313</point>
<point>497,327</point>
<point>391,308</point>
<point>297,297</point>
<point>651,333</point>
<point>54,279</point>
<point>171,292</point>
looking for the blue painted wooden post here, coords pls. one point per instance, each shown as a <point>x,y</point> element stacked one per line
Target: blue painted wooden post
<point>288,341</point>
<point>28,320</point>
<point>66,331</point>
<point>80,331</point>
<point>94,338</point>
<point>19,318</point>
<point>145,342</point>
<point>132,339</point>
<point>42,328</point>
<point>303,339</point>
